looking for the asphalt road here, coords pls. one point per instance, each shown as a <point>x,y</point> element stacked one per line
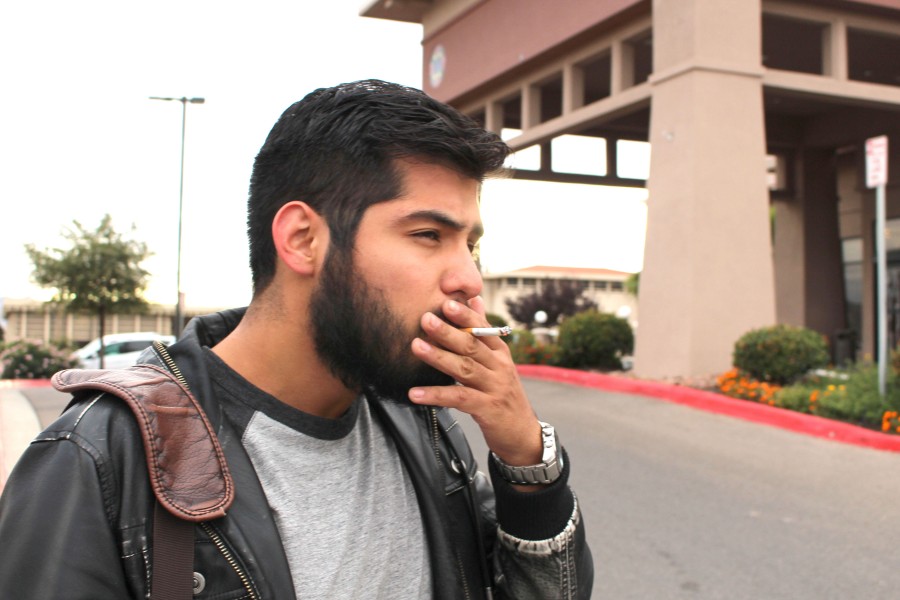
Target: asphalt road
<point>684,504</point>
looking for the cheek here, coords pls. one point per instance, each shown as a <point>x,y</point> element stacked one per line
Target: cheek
<point>409,298</point>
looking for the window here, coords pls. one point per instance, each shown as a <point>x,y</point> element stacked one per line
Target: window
<point>852,251</point>
<point>597,76</point>
<point>873,57</point>
<point>113,349</point>
<point>527,159</point>
<point>135,346</point>
<point>580,154</point>
<point>632,159</point>
<point>792,44</point>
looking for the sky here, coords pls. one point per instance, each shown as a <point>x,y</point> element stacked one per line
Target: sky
<point>80,138</point>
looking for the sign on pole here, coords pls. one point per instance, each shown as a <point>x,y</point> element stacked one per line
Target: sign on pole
<point>876,177</point>
<point>876,161</point>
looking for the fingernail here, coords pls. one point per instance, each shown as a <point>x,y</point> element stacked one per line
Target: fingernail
<point>421,345</point>
<point>453,306</point>
<point>433,320</point>
<point>416,394</point>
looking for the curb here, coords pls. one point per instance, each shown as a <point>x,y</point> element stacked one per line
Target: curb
<point>7,384</point>
<point>19,425</point>
<point>717,403</point>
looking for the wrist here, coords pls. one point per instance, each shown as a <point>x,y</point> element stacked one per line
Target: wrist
<point>544,472</point>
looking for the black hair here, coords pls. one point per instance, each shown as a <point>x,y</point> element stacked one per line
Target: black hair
<point>336,150</point>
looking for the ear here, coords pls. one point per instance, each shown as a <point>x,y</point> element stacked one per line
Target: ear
<point>300,236</point>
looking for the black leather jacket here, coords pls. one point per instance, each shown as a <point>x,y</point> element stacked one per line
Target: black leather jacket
<point>76,514</point>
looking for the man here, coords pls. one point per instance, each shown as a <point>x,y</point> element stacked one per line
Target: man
<point>329,396</point>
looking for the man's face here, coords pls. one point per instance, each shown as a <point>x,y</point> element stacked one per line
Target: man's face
<point>410,255</point>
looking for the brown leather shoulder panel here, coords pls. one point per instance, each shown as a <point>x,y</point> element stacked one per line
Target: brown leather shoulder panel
<point>186,463</point>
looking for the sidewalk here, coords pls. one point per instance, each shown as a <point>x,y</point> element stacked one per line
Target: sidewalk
<point>19,423</point>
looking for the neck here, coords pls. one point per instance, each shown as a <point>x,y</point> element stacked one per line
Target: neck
<point>273,349</point>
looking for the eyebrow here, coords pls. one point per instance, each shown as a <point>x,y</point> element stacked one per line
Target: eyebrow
<point>441,218</point>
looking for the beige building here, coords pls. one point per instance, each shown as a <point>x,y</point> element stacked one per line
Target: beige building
<point>38,321</point>
<point>603,286</point>
<point>751,107</point>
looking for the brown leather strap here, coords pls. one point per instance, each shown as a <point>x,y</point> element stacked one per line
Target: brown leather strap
<point>187,466</point>
<point>173,557</point>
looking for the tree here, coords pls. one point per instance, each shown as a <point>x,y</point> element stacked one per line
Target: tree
<point>557,298</point>
<point>633,283</point>
<point>101,273</point>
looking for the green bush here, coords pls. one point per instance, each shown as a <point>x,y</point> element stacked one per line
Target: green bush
<point>592,339</point>
<point>858,400</point>
<point>781,353</point>
<point>495,320</point>
<point>851,395</point>
<point>33,360</point>
<point>519,342</point>
<point>527,351</point>
<point>796,397</point>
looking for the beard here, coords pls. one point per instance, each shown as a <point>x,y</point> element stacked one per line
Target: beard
<point>360,339</point>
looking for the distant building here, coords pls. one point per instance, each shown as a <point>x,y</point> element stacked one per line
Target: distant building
<point>603,286</point>
<point>752,107</point>
<point>38,321</point>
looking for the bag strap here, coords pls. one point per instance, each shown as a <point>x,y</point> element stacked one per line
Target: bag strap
<point>173,556</point>
<point>187,467</point>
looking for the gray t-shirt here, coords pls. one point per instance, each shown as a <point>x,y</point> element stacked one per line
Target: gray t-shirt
<point>342,500</point>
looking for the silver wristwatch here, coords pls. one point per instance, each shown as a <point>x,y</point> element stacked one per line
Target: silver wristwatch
<point>547,471</point>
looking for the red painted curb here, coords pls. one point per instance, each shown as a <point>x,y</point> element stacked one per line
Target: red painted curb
<point>23,383</point>
<point>718,403</point>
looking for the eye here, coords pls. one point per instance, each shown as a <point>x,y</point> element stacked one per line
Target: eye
<point>428,234</point>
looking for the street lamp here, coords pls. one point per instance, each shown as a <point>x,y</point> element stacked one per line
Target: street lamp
<point>179,306</point>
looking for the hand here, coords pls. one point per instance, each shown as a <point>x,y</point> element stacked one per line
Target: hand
<point>488,387</point>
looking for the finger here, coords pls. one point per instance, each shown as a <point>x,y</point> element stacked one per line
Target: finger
<point>460,397</point>
<point>477,304</point>
<point>471,315</point>
<point>464,369</point>
<point>454,340</point>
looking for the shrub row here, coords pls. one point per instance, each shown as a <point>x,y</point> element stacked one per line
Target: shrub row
<point>33,360</point>
<point>780,366</point>
<point>587,340</point>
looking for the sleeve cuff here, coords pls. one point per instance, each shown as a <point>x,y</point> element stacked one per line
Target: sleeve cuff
<point>538,515</point>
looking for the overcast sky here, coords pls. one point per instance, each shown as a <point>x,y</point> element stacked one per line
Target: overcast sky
<point>80,138</point>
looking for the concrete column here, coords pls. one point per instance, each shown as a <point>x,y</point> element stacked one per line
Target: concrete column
<point>809,279</point>
<point>708,275</point>
<point>824,290</point>
<point>573,88</point>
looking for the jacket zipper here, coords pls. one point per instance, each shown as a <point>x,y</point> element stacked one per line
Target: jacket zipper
<point>435,441</point>
<point>223,549</point>
<point>163,353</point>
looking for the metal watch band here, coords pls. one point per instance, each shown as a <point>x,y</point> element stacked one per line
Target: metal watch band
<point>546,472</point>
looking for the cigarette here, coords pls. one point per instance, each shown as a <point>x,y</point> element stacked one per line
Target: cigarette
<point>487,331</point>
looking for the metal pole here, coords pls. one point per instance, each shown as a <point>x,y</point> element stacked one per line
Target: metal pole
<point>880,224</point>
<point>179,317</point>
<point>179,305</point>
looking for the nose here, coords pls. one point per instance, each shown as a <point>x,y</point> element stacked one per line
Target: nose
<point>462,279</point>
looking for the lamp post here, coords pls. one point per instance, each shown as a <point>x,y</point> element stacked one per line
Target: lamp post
<point>179,306</point>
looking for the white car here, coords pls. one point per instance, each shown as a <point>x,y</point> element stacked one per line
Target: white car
<point>122,349</point>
